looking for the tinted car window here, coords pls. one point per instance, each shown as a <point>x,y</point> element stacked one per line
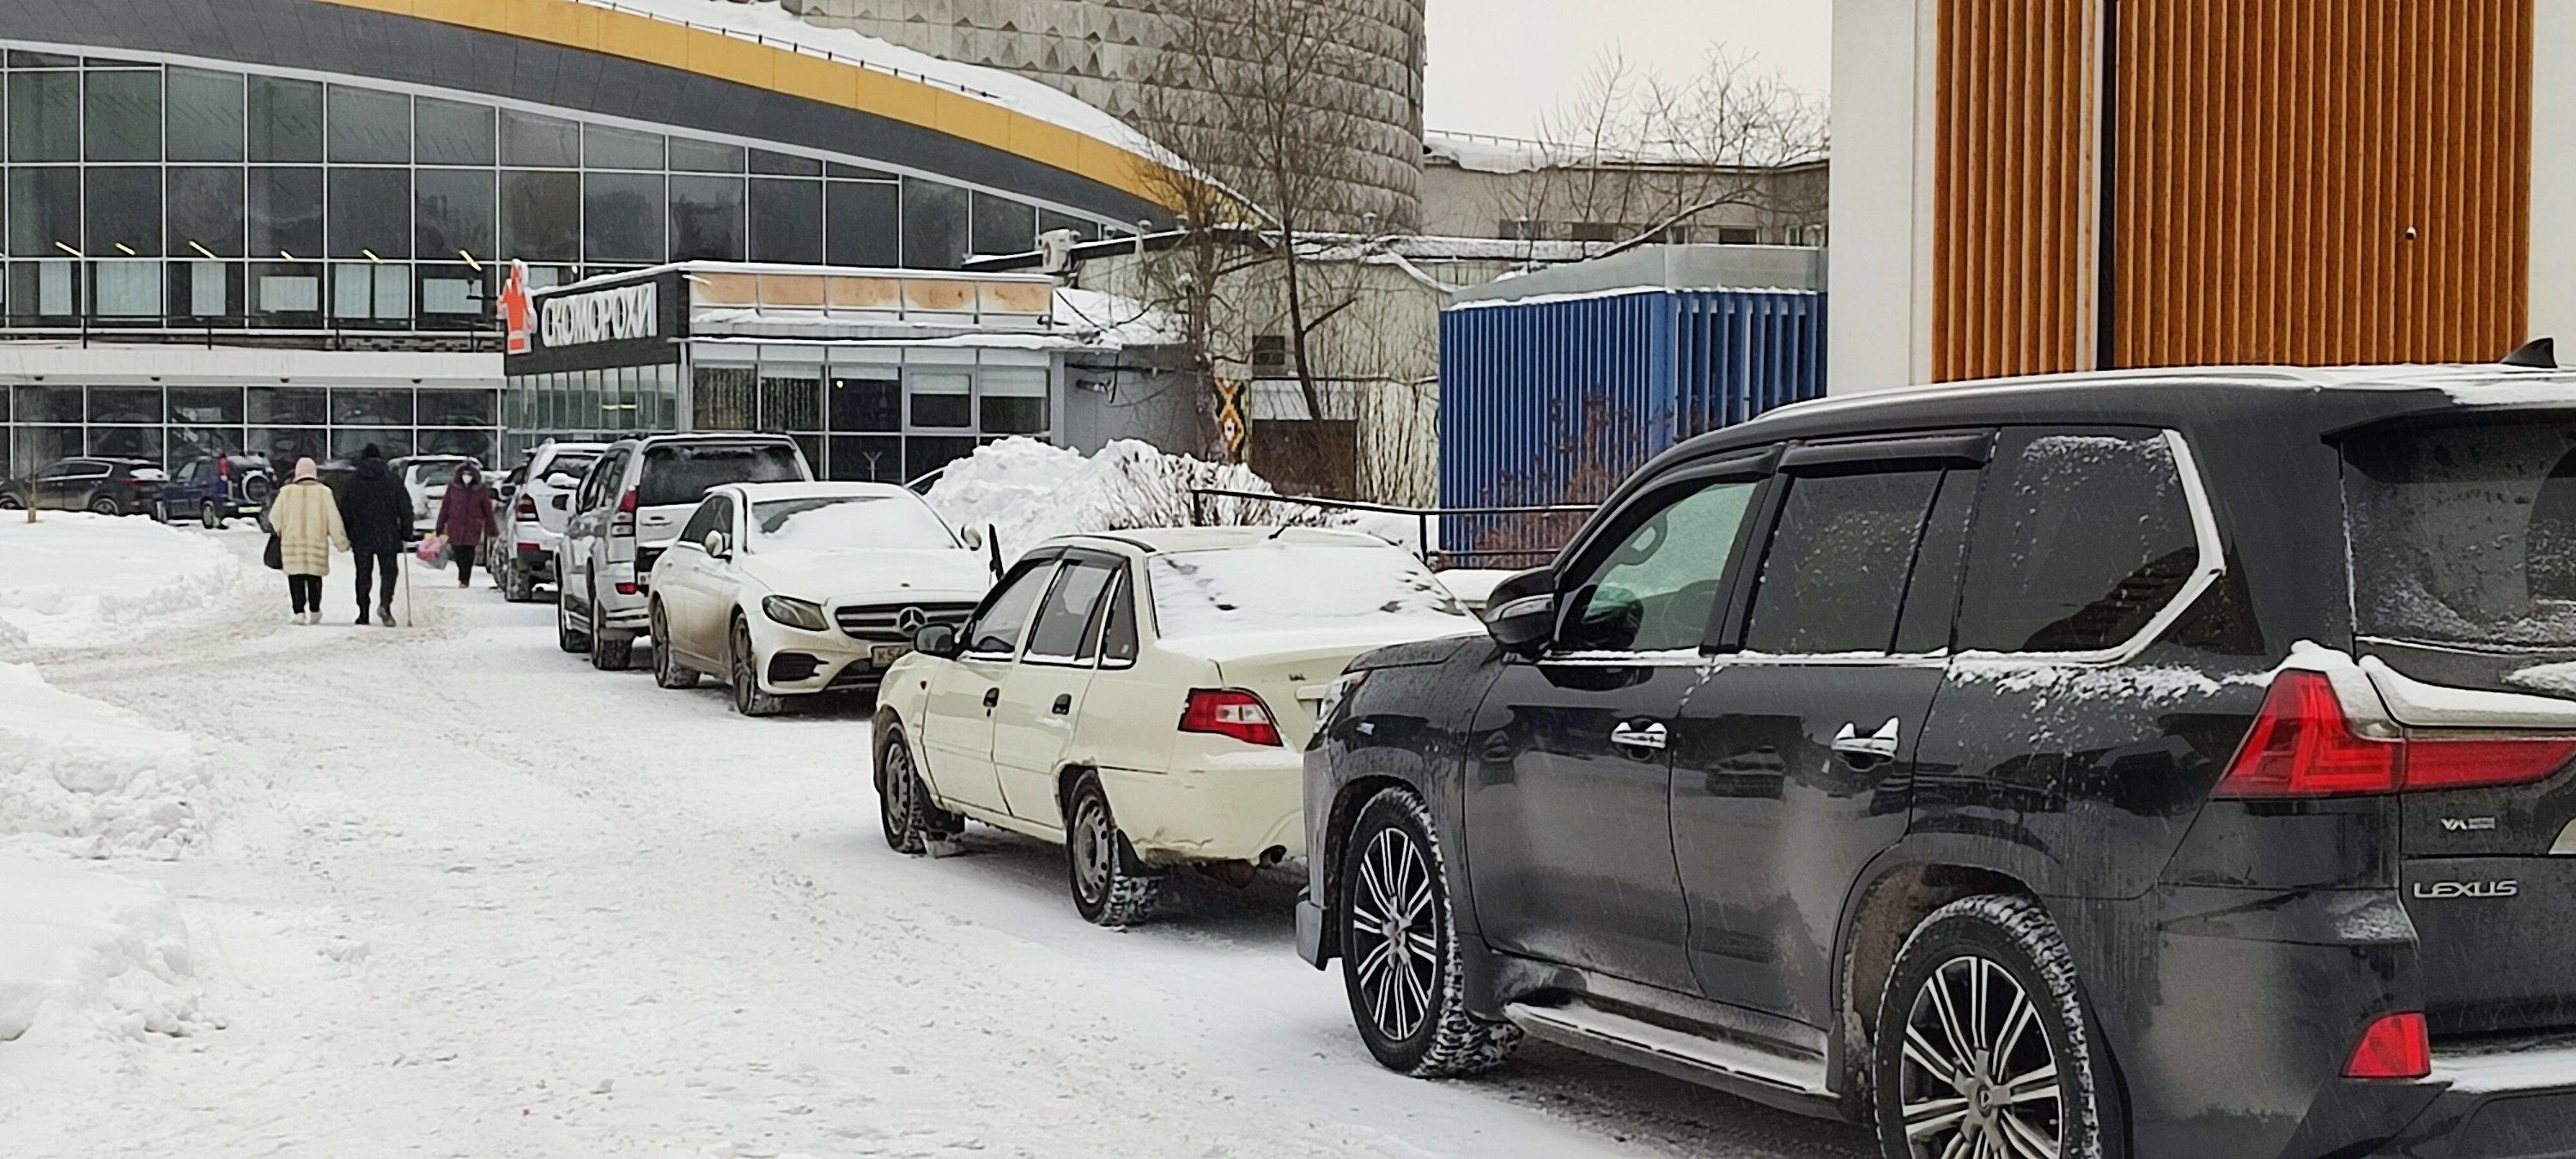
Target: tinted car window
<point>1118,637</point>
<point>2082,537</point>
<point>681,473</point>
<point>1656,591</point>
<point>997,631</point>
<point>703,520</point>
<point>1932,595</point>
<point>1840,555</point>
<point>2465,533</point>
<point>1068,609</point>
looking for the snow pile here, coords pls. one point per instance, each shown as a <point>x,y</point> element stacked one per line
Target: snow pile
<point>1273,585</point>
<point>1030,491</point>
<point>85,953</point>
<point>92,779</point>
<point>77,579</point>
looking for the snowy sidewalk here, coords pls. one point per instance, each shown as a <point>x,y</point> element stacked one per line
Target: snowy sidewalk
<point>615,920</point>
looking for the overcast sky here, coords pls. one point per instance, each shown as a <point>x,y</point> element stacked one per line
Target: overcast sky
<point>1498,66</point>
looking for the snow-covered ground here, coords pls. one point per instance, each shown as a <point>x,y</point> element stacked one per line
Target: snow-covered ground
<point>444,890</point>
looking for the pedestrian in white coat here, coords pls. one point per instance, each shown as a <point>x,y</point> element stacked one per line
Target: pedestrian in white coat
<point>306,520</point>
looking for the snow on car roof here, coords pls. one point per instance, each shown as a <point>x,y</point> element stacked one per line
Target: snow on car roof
<point>763,492</point>
<point>1168,539</point>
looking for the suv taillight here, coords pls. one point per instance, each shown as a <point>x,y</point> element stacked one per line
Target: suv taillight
<point>525,508</point>
<point>2302,745</point>
<point>2396,1047</point>
<point>623,523</point>
<point>1230,712</point>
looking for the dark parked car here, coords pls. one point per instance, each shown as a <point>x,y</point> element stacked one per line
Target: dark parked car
<point>103,485</point>
<point>214,490</point>
<point>2150,764</point>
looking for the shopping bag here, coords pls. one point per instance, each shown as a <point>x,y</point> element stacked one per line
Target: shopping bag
<point>433,550</point>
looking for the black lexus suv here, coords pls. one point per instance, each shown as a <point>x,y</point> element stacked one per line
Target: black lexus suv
<point>2136,764</point>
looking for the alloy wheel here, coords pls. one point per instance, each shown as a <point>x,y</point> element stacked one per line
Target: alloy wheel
<point>1093,847</point>
<point>1980,1080</point>
<point>894,797</point>
<point>1392,933</point>
<point>745,685</point>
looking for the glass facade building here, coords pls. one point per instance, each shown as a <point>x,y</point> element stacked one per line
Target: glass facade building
<point>163,196</point>
<point>178,424</point>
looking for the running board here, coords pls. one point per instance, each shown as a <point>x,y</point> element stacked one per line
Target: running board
<point>1788,1081</point>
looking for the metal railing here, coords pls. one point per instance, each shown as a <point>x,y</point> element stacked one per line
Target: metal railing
<point>788,44</point>
<point>1542,529</point>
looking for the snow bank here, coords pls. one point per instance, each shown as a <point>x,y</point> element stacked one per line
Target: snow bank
<point>1031,491</point>
<point>77,579</point>
<point>92,779</point>
<point>85,953</point>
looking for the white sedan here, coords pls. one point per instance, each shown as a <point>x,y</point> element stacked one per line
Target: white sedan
<point>1143,697</point>
<point>783,589</point>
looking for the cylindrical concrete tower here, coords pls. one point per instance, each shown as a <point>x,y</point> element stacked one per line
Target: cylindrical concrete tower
<point>1104,51</point>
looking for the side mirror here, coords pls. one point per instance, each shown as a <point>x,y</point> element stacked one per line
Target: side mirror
<point>1537,581</point>
<point>973,538</point>
<point>936,640</point>
<point>1523,625</point>
<point>563,502</point>
<point>718,546</point>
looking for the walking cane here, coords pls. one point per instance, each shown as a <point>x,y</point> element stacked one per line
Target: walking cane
<point>406,591</point>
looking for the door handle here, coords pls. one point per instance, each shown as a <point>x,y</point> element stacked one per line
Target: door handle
<point>1871,749</point>
<point>1064,704</point>
<point>1638,735</point>
<point>992,696</point>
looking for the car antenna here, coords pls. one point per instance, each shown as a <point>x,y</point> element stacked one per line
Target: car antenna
<point>2537,354</point>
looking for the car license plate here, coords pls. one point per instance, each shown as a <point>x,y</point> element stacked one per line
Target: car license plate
<point>884,654</point>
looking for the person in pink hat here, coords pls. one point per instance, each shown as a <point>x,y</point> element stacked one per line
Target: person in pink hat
<point>306,520</point>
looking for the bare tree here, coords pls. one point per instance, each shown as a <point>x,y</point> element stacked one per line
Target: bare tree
<point>1646,153</point>
<point>1261,107</point>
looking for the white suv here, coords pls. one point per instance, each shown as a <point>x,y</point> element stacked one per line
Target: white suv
<point>625,515</point>
<point>1143,697</point>
<point>532,522</point>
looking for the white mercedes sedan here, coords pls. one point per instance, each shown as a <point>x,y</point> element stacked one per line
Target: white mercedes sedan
<point>788,589</point>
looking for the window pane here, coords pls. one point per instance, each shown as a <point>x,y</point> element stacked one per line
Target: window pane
<point>205,115</point>
<point>1004,226</point>
<point>285,120</point>
<point>934,225</point>
<point>369,126</point>
<point>784,165</point>
<point>44,290</point>
<point>603,147</point>
<point>371,211</point>
<point>541,216</point>
<point>124,122</point>
<point>44,209</point>
<point>1835,575</point>
<point>285,212</point>
<point>205,209</point>
<point>125,404</point>
<point>864,224</point>
<point>455,213</point>
<point>476,445</point>
<point>867,400</point>
<point>1067,610</point>
<point>453,133</point>
<point>707,219</point>
<point>622,217</point>
<point>206,406</point>
<point>196,444</point>
<point>286,293</point>
<point>205,292</point>
<point>284,445</point>
<point>456,408</point>
<point>2082,536</point>
<point>1658,590</point>
<point>1013,401</point>
<point>352,406</point>
<point>125,213</point>
<point>791,398</point>
<point>836,169</point>
<point>454,296</point>
<point>921,455</point>
<point>22,59</point>
<point>1050,221</point>
<point>726,398</point>
<point>126,289</point>
<point>44,116</point>
<point>543,142</point>
<point>49,404</point>
<point>367,293</point>
<point>942,398</point>
<point>867,459</point>
<point>391,442</point>
<point>787,222</point>
<point>705,156</point>
<point>126,442</point>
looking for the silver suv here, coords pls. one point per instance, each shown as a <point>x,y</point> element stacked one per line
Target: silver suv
<point>626,513</point>
<point>532,522</point>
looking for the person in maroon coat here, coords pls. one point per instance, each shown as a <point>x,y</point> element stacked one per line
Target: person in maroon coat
<point>467,518</point>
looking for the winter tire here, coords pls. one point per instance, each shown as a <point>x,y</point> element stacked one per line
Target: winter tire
<point>1111,887</point>
<point>104,506</point>
<point>1400,960</point>
<point>160,512</point>
<point>609,651</point>
<point>211,516</point>
<point>1984,1046</point>
<point>743,670</point>
<point>11,503</point>
<point>911,821</point>
<point>517,586</point>
<point>567,637</point>
<point>668,672</point>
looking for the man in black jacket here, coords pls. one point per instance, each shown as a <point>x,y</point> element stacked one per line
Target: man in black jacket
<point>376,509</point>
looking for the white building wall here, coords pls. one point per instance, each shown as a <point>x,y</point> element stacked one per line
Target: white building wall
<point>2553,176</point>
<point>1879,334</point>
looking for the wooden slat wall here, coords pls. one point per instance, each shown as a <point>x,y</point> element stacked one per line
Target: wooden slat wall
<point>2013,195</point>
<point>2272,157</point>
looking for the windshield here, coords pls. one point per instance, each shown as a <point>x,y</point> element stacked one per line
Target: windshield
<point>573,463</point>
<point>835,522</point>
<point>2465,533</point>
<point>1298,586</point>
<point>680,475</point>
